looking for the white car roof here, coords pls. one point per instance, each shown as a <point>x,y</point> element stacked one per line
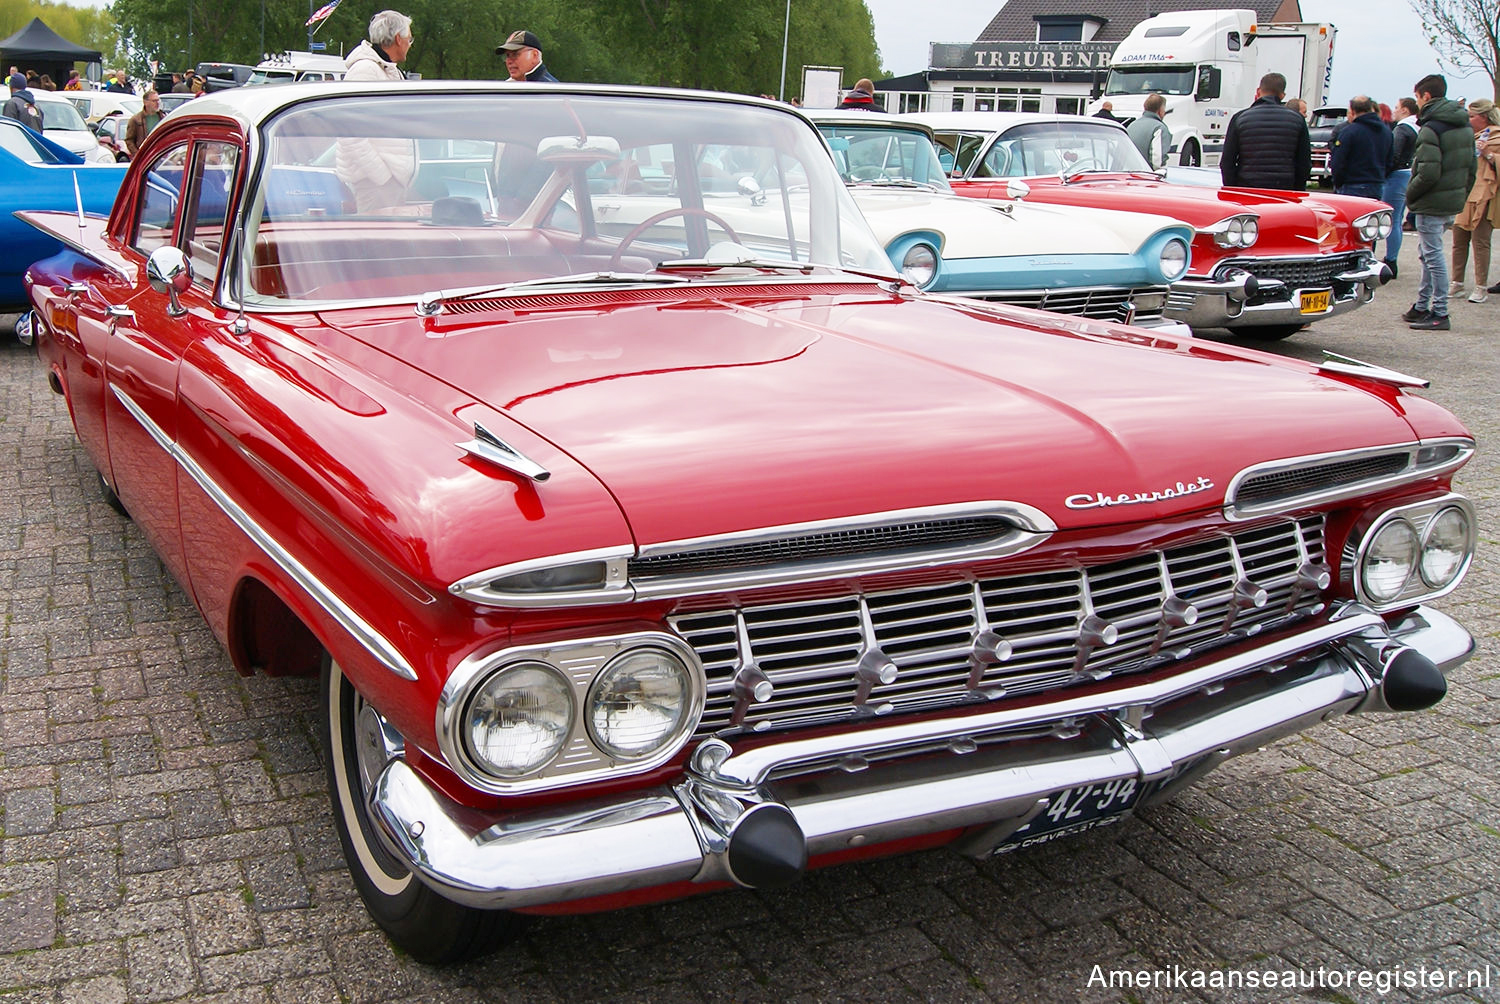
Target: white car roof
<point>998,121</point>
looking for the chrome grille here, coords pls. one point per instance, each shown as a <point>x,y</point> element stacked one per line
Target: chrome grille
<point>1313,271</point>
<point>810,649</point>
<point>1275,486</point>
<point>1105,304</point>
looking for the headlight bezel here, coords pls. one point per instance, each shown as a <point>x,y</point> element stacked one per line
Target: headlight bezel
<point>1373,226</point>
<point>914,272</point>
<point>579,662</point>
<point>1240,230</point>
<point>1421,516</point>
<point>1173,274</point>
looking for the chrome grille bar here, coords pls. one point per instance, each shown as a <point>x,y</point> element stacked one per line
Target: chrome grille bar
<point>810,650</point>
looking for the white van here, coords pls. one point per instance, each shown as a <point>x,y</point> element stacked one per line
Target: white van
<point>297,66</point>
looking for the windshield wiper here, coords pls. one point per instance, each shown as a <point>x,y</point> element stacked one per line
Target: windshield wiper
<point>431,304</point>
<point>894,183</point>
<point>714,264</point>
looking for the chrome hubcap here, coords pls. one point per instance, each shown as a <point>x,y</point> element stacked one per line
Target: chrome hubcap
<point>376,743</point>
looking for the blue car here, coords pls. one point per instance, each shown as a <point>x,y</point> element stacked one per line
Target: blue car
<point>36,173</point>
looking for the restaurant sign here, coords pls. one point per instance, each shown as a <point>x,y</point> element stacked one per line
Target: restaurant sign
<point>1021,56</point>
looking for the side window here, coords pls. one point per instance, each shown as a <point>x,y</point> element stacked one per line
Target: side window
<point>204,222</point>
<point>160,200</point>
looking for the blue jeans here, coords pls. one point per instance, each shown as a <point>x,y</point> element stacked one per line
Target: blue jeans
<point>1395,197</point>
<point>1432,295</point>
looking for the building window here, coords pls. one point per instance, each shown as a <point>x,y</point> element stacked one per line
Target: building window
<point>1063,31</point>
<point>1070,106</point>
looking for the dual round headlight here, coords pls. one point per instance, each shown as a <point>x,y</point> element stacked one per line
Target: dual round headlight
<point>1406,561</point>
<point>920,264</point>
<point>522,717</point>
<point>1236,232</point>
<point>1374,226</point>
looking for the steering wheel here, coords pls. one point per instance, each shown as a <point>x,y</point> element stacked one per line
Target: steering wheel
<point>867,172</point>
<point>1081,164</point>
<point>666,214</point>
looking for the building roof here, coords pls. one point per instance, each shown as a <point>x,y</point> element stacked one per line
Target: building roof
<point>1016,21</point>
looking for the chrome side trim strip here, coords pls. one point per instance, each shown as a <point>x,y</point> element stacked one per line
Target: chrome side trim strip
<point>1413,472</point>
<point>372,641</point>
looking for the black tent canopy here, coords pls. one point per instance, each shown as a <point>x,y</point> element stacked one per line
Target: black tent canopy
<point>38,47</point>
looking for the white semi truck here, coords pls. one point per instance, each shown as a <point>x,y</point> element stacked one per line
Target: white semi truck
<point>1207,64</point>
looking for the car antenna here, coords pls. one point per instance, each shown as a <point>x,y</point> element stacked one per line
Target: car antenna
<point>78,200</point>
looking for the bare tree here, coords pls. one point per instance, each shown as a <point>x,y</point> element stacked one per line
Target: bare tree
<point>1465,33</point>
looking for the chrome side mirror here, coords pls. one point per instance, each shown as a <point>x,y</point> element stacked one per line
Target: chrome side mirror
<point>750,189</point>
<point>169,271</point>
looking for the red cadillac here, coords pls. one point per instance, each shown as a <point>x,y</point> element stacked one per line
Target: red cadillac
<point>1264,264</point>
<point>641,553</point>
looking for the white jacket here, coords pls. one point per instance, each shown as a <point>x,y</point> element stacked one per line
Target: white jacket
<point>374,161</point>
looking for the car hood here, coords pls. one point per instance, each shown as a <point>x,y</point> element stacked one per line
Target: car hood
<point>971,229</point>
<point>1297,223</point>
<point>723,414</point>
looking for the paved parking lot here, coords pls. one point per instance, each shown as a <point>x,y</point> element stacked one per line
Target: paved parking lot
<point>166,836</point>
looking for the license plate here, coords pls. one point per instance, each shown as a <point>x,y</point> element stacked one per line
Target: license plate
<point>1074,811</point>
<point>1317,301</point>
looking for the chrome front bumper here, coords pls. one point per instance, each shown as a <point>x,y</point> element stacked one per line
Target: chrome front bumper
<point>753,816</point>
<point>1213,303</point>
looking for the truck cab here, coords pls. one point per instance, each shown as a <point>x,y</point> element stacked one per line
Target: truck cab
<point>1207,64</point>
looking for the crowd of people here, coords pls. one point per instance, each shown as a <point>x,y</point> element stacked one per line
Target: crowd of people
<point>1433,158</point>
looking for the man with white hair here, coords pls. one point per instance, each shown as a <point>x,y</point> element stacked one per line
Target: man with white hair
<point>378,170</point>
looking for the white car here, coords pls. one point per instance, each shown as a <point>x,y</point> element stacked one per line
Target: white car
<point>95,105</point>
<point>62,124</point>
<point>1097,263</point>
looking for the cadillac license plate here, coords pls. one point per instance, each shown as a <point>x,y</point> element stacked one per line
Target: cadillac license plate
<point>1076,810</point>
<point>1317,301</point>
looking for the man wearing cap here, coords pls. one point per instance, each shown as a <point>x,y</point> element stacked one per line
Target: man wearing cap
<point>21,107</point>
<point>523,59</point>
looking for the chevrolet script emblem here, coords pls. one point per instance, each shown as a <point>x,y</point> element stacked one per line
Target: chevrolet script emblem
<point>1100,499</point>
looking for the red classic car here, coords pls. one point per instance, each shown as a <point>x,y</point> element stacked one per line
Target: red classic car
<point>639,555</point>
<point>1264,264</point>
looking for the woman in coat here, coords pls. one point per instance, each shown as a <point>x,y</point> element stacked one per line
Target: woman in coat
<point>1475,225</point>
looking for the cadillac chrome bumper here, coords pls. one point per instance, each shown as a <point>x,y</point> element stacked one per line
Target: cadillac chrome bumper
<point>754,816</point>
<point>1224,303</point>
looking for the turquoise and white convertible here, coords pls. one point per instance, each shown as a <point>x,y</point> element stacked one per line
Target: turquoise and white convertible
<point>1097,263</point>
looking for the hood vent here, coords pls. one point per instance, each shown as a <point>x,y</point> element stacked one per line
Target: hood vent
<point>1316,480</point>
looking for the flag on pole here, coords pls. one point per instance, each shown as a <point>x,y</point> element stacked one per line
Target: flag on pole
<point>322,12</point>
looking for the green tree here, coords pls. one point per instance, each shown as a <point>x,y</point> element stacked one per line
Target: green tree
<point>1466,33</point>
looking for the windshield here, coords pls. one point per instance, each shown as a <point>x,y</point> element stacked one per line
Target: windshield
<point>1326,117</point>
<point>874,154</point>
<point>61,115</point>
<point>400,195</point>
<point>1151,79</point>
<point>1048,148</point>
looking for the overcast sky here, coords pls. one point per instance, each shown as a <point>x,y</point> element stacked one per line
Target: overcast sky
<point>1379,49</point>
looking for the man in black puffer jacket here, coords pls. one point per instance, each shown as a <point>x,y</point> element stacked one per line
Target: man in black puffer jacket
<point>1266,145</point>
<point>1442,172</point>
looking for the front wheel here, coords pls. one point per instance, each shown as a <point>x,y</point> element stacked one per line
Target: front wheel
<point>359,742</point>
<point>1191,155</point>
<point>1270,332</point>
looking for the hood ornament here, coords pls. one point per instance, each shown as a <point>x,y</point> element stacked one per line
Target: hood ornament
<point>488,446</point>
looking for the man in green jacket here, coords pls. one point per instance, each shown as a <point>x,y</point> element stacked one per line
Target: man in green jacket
<point>1442,172</point>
